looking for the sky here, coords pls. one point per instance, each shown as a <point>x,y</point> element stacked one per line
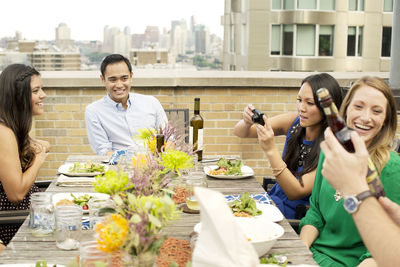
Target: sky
<point>37,19</point>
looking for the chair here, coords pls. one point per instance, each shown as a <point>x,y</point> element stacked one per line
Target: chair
<point>17,217</point>
<point>301,209</point>
<point>180,117</point>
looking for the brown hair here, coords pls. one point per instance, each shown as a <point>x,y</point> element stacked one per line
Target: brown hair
<point>381,144</point>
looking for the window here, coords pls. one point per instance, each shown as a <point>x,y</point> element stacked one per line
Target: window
<point>276,4</point>
<point>306,4</point>
<point>388,6</point>
<point>305,40</point>
<point>327,4</point>
<point>354,41</point>
<point>288,4</point>
<point>356,5</point>
<point>276,40</point>
<point>325,41</point>
<point>288,40</point>
<point>386,41</point>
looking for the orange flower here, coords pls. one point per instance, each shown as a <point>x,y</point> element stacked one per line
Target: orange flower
<point>112,233</point>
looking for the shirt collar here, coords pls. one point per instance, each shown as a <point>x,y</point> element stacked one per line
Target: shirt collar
<point>118,106</point>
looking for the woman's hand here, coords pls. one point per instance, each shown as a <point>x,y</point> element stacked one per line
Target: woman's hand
<point>247,114</point>
<point>42,145</point>
<point>266,136</point>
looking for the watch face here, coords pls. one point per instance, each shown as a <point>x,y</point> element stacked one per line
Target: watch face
<point>350,204</point>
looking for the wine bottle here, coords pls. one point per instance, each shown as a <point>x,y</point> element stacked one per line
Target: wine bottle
<point>196,130</point>
<point>342,133</point>
<point>160,142</point>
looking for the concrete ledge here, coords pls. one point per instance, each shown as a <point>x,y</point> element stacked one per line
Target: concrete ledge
<point>179,78</point>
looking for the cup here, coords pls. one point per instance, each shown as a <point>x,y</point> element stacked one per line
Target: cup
<point>68,226</point>
<point>95,213</point>
<point>41,214</point>
<point>91,256</point>
<point>194,180</point>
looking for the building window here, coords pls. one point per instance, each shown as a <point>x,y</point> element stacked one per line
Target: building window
<point>306,4</point>
<point>276,40</point>
<point>327,4</point>
<point>305,40</point>
<point>288,4</point>
<point>354,41</point>
<point>388,6</point>
<point>325,45</point>
<point>288,40</point>
<point>276,4</point>
<point>356,5</point>
<point>386,41</point>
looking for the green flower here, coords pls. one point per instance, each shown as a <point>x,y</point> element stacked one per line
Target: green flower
<point>112,182</point>
<point>175,161</point>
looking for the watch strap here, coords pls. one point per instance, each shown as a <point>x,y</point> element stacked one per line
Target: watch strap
<point>363,195</point>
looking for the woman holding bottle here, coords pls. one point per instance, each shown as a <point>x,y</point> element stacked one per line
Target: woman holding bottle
<point>21,97</point>
<point>295,169</point>
<point>328,229</point>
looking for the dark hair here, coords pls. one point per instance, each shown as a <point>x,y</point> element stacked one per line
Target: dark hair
<point>114,58</point>
<point>292,154</point>
<point>16,107</point>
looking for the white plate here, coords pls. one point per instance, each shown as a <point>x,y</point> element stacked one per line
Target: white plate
<point>58,196</point>
<point>269,212</point>
<point>64,169</point>
<point>246,172</point>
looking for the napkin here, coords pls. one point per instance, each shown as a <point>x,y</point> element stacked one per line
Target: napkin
<point>221,242</point>
<point>64,180</point>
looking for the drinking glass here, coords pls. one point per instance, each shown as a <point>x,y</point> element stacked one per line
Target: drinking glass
<point>95,214</point>
<point>68,226</point>
<point>91,256</point>
<point>41,214</point>
<point>193,180</point>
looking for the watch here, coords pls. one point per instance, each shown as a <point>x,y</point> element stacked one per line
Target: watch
<point>351,203</point>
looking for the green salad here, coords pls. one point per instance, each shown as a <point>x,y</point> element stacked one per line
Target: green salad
<point>229,167</point>
<point>88,167</point>
<point>245,204</point>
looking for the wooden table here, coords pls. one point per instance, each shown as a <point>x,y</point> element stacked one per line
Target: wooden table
<point>25,248</point>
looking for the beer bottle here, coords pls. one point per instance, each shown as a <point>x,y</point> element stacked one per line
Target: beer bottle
<point>196,130</point>
<point>160,142</point>
<point>342,133</point>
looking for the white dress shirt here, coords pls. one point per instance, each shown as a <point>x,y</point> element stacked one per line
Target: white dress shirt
<point>110,127</point>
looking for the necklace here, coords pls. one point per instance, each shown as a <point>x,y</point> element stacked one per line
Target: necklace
<point>337,196</point>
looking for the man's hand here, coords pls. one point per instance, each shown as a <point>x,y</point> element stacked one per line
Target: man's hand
<point>345,171</point>
<point>391,208</point>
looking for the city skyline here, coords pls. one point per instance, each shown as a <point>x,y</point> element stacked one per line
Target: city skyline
<point>87,19</point>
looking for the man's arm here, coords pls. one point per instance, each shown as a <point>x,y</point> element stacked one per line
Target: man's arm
<point>346,172</point>
<point>97,136</point>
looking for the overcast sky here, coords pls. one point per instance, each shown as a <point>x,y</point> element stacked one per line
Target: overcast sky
<point>37,19</point>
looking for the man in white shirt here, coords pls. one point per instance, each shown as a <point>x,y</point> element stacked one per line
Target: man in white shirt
<point>112,121</point>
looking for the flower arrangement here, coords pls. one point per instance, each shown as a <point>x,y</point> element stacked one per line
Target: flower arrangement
<point>143,204</point>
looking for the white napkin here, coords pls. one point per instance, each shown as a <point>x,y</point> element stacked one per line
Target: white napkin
<point>221,242</point>
<point>64,180</point>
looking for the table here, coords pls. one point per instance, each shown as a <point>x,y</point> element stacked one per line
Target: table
<point>25,248</point>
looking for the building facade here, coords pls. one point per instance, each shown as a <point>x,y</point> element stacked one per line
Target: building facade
<point>307,35</point>
<point>143,57</point>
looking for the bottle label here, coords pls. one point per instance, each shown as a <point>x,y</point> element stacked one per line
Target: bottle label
<point>327,111</point>
<point>200,140</point>
<point>343,134</point>
<point>193,136</point>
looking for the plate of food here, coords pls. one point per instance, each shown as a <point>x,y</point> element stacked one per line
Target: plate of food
<point>77,198</point>
<point>228,169</point>
<point>248,207</point>
<point>82,169</point>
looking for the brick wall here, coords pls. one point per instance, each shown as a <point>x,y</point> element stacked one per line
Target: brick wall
<point>63,123</point>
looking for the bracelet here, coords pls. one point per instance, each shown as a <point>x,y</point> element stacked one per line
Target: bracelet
<point>278,171</point>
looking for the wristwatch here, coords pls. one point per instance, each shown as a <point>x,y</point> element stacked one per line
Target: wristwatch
<point>351,203</point>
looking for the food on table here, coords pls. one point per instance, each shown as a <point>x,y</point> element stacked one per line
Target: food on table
<point>64,202</point>
<point>180,195</point>
<point>245,205</point>
<point>82,200</point>
<point>88,167</point>
<point>227,167</point>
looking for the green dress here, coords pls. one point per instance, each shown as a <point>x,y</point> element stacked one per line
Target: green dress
<point>338,242</point>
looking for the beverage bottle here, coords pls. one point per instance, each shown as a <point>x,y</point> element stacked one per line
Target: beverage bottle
<point>160,142</point>
<point>342,133</point>
<point>196,130</point>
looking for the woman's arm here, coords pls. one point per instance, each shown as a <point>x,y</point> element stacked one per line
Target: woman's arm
<point>247,128</point>
<point>289,183</point>
<point>15,183</point>
<point>308,234</point>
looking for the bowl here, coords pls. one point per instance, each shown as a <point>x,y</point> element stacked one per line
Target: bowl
<point>262,234</point>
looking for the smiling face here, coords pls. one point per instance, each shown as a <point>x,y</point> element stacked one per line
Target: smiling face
<point>307,109</point>
<point>117,80</point>
<point>38,95</point>
<point>366,112</point>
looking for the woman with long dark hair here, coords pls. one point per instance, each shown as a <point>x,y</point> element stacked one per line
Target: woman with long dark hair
<point>295,169</point>
<point>21,97</point>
